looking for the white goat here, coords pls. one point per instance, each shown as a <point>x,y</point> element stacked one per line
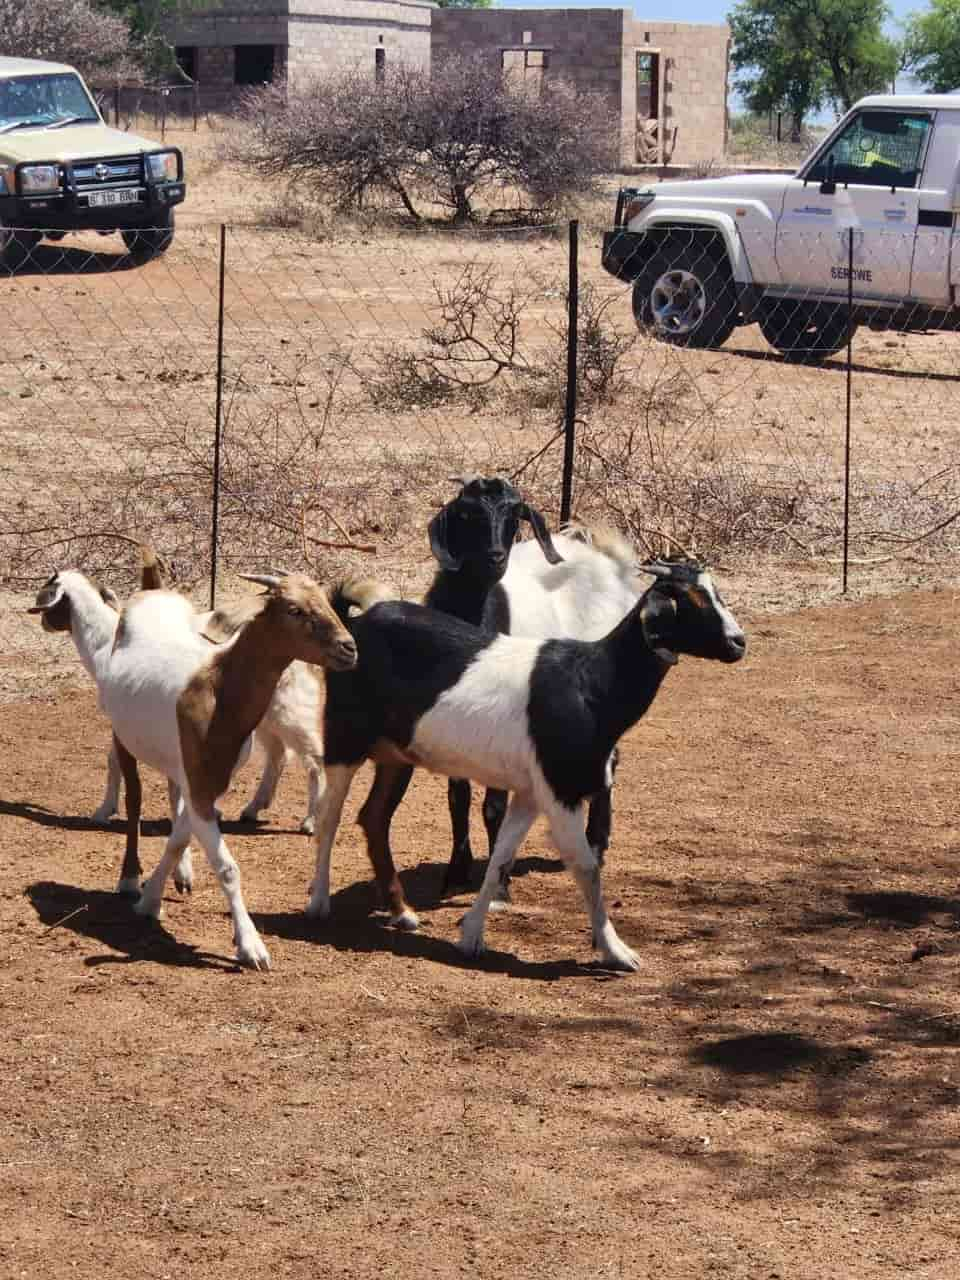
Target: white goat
<point>291,723</point>
<point>189,709</point>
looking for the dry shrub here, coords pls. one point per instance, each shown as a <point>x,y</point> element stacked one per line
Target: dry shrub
<point>666,470</point>
<point>482,345</point>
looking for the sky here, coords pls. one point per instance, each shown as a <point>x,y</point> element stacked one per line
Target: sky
<point>674,10</point>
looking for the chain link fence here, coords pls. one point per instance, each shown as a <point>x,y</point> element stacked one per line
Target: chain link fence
<point>348,379</point>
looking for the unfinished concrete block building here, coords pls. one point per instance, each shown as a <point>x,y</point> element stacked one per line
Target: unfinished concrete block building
<point>235,43</point>
<point>666,81</point>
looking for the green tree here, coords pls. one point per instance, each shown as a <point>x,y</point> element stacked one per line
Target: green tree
<point>932,45</point>
<point>798,53</point>
<point>145,18</point>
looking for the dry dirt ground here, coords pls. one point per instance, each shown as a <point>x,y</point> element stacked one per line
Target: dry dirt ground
<point>775,1096</point>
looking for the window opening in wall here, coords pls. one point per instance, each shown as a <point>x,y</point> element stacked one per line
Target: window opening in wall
<point>186,55</point>
<point>648,108</point>
<point>253,63</point>
<point>380,64</point>
<point>526,65</point>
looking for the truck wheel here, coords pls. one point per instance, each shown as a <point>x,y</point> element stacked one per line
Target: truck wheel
<point>686,296</point>
<point>16,246</point>
<point>805,332</point>
<point>144,243</point>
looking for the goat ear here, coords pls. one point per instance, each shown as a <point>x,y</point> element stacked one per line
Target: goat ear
<point>48,596</point>
<point>540,532</point>
<point>658,614</point>
<point>110,597</point>
<point>437,529</point>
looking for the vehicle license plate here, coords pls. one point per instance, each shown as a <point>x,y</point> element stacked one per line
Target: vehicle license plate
<point>113,197</point>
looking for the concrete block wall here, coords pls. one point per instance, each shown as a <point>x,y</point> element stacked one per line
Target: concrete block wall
<point>596,49</point>
<point>695,64</point>
<point>326,35</point>
<point>583,44</point>
<point>309,37</point>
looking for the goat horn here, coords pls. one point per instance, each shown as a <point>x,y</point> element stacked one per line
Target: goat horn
<point>656,567</point>
<point>269,580</point>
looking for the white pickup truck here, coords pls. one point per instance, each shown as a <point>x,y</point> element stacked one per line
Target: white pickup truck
<point>707,255</point>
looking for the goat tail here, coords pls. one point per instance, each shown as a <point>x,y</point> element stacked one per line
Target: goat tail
<point>606,539</point>
<point>153,571</point>
<point>355,595</point>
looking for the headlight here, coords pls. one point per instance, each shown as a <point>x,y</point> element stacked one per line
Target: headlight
<point>39,179</point>
<point>163,166</point>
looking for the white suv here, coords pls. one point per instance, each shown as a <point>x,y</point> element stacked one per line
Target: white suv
<point>705,256</point>
<point>62,168</point>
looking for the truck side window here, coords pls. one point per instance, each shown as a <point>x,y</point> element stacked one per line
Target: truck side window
<point>876,149</point>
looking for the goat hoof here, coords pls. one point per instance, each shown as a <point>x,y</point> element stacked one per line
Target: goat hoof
<point>151,908</point>
<point>102,816</point>
<point>252,954</point>
<point>407,920</point>
<point>317,910</point>
<point>306,826</point>
<point>249,816</point>
<point>129,886</point>
<point>623,960</point>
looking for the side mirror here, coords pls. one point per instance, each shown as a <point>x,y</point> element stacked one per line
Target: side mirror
<point>828,186</point>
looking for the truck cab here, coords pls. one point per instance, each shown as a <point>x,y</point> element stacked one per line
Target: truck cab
<point>63,169</point>
<point>863,233</point>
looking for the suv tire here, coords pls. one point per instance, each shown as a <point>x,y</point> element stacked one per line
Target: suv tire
<point>146,242</point>
<point>685,293</point>
<point>805,332</point>
<point>16,246</point>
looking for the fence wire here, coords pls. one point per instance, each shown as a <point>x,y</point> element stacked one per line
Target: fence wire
<point>360,374</point>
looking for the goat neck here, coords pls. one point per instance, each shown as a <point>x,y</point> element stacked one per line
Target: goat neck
<point>471,597</point>
<point>93,624</point>
<point>625,671</point>
<point>248,670</point>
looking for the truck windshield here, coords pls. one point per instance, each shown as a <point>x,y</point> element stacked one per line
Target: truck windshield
<point>39,101</point>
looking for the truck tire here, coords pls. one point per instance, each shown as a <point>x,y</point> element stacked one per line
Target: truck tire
<point>805,332</point>
<point>685,294</point>
<point>144,243</point>
<point>16,246</point>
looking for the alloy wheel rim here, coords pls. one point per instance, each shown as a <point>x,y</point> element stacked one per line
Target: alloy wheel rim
<point>678,302</point>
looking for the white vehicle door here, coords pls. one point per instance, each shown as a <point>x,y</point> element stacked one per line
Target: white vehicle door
<point>865,180</point>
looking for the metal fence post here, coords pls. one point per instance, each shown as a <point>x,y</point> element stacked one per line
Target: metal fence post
<point>846,449</point>
<point>217,430</point>
<point>570,412</point>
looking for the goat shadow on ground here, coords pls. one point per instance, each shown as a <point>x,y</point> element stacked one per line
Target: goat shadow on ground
<point>356,926</point>
<point>108,918</point>
<point>54,260</point>
<point>423,883</point>
<point>118,825</point>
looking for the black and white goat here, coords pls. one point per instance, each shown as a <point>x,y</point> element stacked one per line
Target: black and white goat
<point>569,585</point>
<point>537,718</point>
